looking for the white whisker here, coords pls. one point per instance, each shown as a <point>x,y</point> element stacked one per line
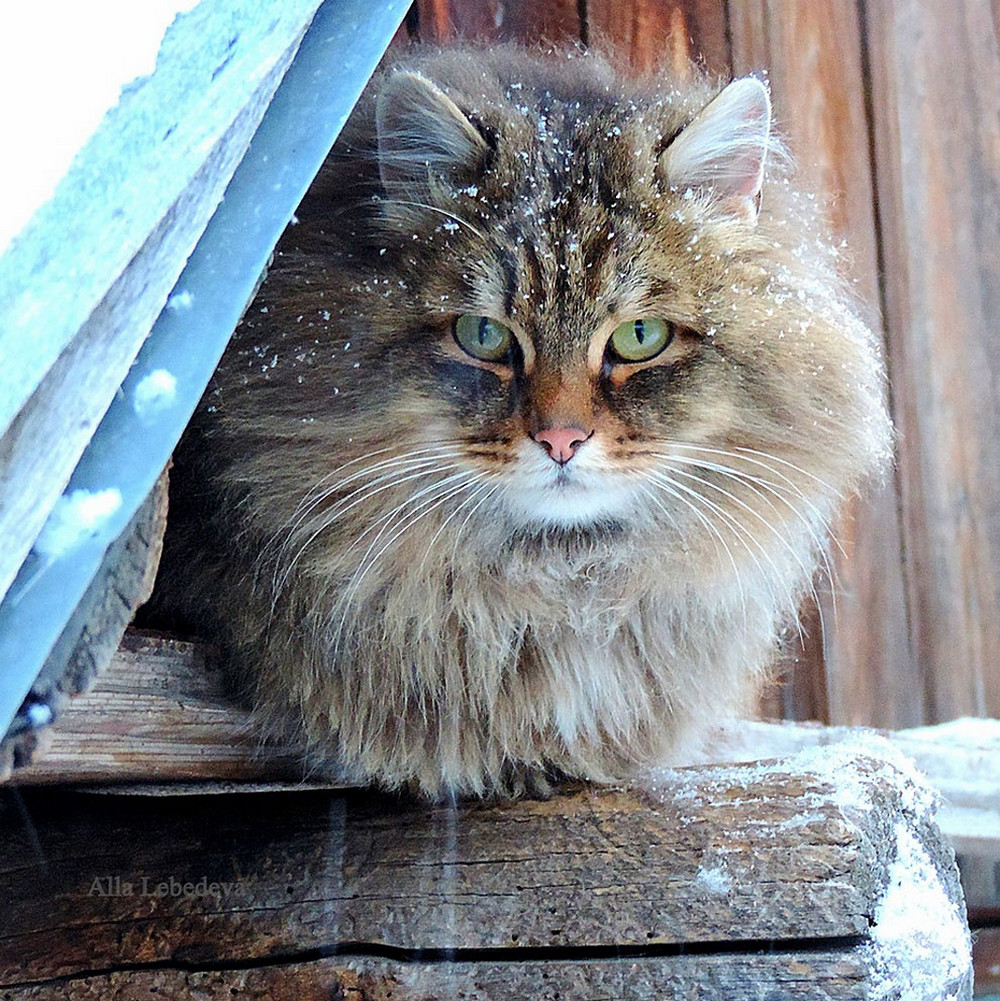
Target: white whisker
<point>450,215</point>
<point>663,483</point>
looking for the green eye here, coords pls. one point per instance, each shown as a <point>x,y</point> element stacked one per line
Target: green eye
<point>483,338</point>
<point>640,340</point>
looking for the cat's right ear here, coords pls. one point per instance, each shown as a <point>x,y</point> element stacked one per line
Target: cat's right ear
<point>723,149</point>
<point>423,134</point>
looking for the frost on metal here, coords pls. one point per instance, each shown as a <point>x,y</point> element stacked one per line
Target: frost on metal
<point>76,517</point>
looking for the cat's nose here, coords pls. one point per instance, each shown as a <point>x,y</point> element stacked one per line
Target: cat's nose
<point>561,443</point>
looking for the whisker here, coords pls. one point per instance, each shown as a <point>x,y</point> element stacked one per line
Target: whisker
<point>806,571</point>
<point>791,484</point>
<point>433,208</point>
<point>741,533</point>
<point>818,528</point>
<point>483,486</point>
<point>322,489</point>
<point>335,513</point>
<point>368,561</point>
<point>717,538</point>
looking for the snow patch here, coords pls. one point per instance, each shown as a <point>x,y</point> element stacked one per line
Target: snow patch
<point>76,517</point>
<point>920,945</point>
<point>714,880</point>
<point>38,714</point>
<point>155,392</point>
<point>180,300</point>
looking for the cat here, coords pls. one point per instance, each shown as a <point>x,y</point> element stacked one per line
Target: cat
<point>525,454</point>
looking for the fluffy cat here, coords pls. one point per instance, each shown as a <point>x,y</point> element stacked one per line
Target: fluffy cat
<point>524,455</point>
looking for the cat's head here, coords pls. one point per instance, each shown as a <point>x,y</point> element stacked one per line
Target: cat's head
<point>574,282</point>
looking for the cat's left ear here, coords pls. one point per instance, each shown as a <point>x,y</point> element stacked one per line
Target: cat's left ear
<point>422,133</point>
<point>724,148</point>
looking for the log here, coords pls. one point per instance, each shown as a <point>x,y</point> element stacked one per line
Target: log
<point>822,875</point>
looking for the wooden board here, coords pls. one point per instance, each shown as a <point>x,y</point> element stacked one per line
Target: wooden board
<point>131,231</point>
<point>778,976</point>
<point>935,94</point>
<point>159,712</point>
<point>528,21</point>
<point>91,638</point>
<point>857,666</point>
<point>600,891</point>
<point>662,33</point>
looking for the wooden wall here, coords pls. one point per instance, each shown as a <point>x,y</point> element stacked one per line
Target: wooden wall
<point>892,110</point>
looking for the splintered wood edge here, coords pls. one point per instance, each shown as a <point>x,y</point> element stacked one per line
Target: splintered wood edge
<point>92,636</point>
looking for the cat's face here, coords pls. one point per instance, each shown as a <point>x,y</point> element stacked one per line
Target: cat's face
<point>567,313</point>
<point>594,302</point>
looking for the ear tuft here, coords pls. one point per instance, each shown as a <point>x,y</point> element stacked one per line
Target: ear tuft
<point>422,133</point>
<point>724,148</point>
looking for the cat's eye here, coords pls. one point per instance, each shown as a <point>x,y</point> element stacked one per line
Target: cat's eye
<point>483,338</point>
<point>640,340</point>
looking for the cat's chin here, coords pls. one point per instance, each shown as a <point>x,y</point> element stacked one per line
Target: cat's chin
<point>570,504</point>
<point>585,494</point>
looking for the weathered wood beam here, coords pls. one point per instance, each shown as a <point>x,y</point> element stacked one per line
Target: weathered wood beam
<point>84,281</point>
<point>830,865</point>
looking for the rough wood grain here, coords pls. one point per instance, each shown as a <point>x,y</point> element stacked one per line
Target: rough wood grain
<point>158,712</point>
<point>831,975</point>
<point>654,33</point>
<point>861,671</point>
<point>92,635</point>
<point>791,850</point>
<point>113,255</point>
<point>935,89</point>
<point>444,21</point>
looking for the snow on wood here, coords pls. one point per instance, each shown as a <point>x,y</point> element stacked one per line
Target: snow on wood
<point>84,280</point>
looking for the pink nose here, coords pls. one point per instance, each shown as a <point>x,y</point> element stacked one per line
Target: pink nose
<point>561,443</point>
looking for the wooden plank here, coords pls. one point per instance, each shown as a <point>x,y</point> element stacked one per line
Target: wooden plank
<point>861,672</point>
<point>935,87</point>
<point>654,33</point>
<point>794,850</point>
<point>986,960</point>
<point>782,976</point>
<point>93,634</point>
<point>158,712</point>
<point>528,21</point>
<point>43,443</point>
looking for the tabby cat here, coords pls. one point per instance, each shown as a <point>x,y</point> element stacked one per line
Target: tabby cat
<point>524,456</point>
